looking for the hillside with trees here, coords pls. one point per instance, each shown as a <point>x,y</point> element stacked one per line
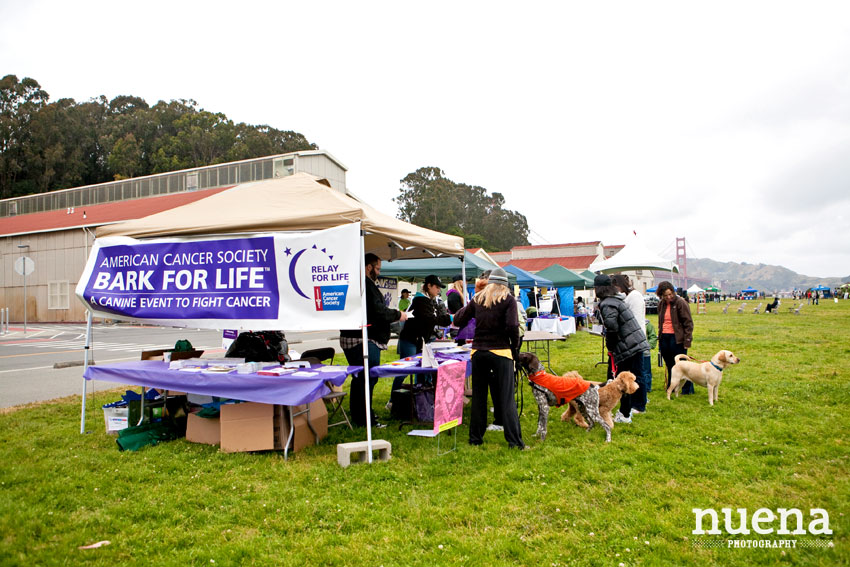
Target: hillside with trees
<point>46,145</point>
<point>429,199</point>
<point>736,276</point>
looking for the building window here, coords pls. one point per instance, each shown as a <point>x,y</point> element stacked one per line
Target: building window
<point>57,295</point>
<point>192,181</point>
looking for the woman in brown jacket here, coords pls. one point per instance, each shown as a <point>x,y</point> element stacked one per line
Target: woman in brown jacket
<point>675,329</point>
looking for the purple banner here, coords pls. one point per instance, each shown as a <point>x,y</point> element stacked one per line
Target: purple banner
<point>207,279</point>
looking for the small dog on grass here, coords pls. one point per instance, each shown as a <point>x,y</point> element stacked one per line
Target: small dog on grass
<point>609,397</point>
<point>706,374</point>
<point>554,391</point>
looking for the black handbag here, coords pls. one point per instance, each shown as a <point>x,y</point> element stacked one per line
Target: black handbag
<point>260,346</point>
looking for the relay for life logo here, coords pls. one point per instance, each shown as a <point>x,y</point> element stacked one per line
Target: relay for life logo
<point>315,276</point>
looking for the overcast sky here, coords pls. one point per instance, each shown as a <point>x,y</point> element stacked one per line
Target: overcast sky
<point>727,123</point>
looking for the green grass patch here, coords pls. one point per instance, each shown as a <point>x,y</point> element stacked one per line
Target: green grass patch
<point>776,439</point>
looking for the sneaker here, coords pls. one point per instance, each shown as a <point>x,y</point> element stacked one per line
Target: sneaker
<point>620,418</point>
<point>379,425</point>
<point>494,427</point>
<point>389,406</point>
<point>636,411</point>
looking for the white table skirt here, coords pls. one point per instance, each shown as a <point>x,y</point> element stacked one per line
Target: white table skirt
<point>561,327</point>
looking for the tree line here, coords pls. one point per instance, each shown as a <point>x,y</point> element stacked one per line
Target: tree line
<point>429,199</point>
<point>46,145</point>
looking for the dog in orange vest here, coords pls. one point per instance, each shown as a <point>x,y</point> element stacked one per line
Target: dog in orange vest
<point>554,391</point>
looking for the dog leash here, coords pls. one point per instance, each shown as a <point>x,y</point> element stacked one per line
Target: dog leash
<point>518,390</point>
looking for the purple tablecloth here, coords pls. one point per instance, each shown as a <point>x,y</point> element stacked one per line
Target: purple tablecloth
<point>387,370</point>
<point>283,390</point>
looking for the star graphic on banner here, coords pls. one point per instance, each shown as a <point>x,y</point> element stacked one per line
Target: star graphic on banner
<point>288,251</point>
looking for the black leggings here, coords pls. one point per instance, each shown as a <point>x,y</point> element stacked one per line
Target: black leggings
<point>669,348</point>
<point>496,373</point>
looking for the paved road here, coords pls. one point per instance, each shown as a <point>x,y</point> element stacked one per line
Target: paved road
<point>27,372</point>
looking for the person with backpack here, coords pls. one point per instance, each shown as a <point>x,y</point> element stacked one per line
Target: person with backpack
<point>625,339</point>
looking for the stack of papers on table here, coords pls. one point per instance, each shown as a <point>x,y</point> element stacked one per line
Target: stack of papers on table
<point>333,369</point>
<point>218,369</point>
<point>276,371</point>
<point>404,363</point>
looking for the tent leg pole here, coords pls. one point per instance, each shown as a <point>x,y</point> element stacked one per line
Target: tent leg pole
<point>463,276</point>
<point>365,336</point>
<point>86,351</point>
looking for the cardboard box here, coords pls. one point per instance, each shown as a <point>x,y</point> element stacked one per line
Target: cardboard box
<point>248,427</point>
<point>205,430</point>
<point>264,427</point>
<point>303,435</point>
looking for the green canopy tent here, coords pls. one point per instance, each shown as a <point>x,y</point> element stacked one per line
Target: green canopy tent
<point>712,289</point>
<point>563,277</point>
<point>566,281</point>
<point>588,275</point>
<point>444,268</point>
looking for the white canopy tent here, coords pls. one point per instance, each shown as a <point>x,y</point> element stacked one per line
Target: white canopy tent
<point>695,289</point>
<point>298,203</point>
<point>633,256</point>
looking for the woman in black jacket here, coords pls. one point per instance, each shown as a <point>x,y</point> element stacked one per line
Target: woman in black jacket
<point>420,327</point>
<point>625,339</point>
<point>494,347</point>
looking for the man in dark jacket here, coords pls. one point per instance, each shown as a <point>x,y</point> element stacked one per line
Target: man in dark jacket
<point>378,319</point>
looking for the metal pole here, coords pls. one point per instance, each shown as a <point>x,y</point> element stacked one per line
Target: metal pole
<point>463,277</point>
<point>85,367</point>
<point>24,258</point>
<point>364,335</point>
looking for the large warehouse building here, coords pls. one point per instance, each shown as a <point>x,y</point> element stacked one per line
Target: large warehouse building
<point>45,239</point>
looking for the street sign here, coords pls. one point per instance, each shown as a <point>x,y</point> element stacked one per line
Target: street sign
<point>24,262</point>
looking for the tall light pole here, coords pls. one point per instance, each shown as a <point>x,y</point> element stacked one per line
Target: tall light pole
<point>24,247</point>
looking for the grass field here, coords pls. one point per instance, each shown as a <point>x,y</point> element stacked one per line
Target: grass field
<point>776,439</point>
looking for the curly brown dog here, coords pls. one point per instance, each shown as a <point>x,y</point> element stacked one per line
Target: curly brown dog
<point>609,397</point>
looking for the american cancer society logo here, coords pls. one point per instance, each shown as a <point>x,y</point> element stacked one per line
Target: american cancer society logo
<point>313,272</point>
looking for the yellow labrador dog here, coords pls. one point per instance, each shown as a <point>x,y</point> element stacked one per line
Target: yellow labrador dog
<point>706,374</point>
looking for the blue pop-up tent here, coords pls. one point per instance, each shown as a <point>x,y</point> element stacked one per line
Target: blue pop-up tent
<point>826,291</point>
<point>527,280</point>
